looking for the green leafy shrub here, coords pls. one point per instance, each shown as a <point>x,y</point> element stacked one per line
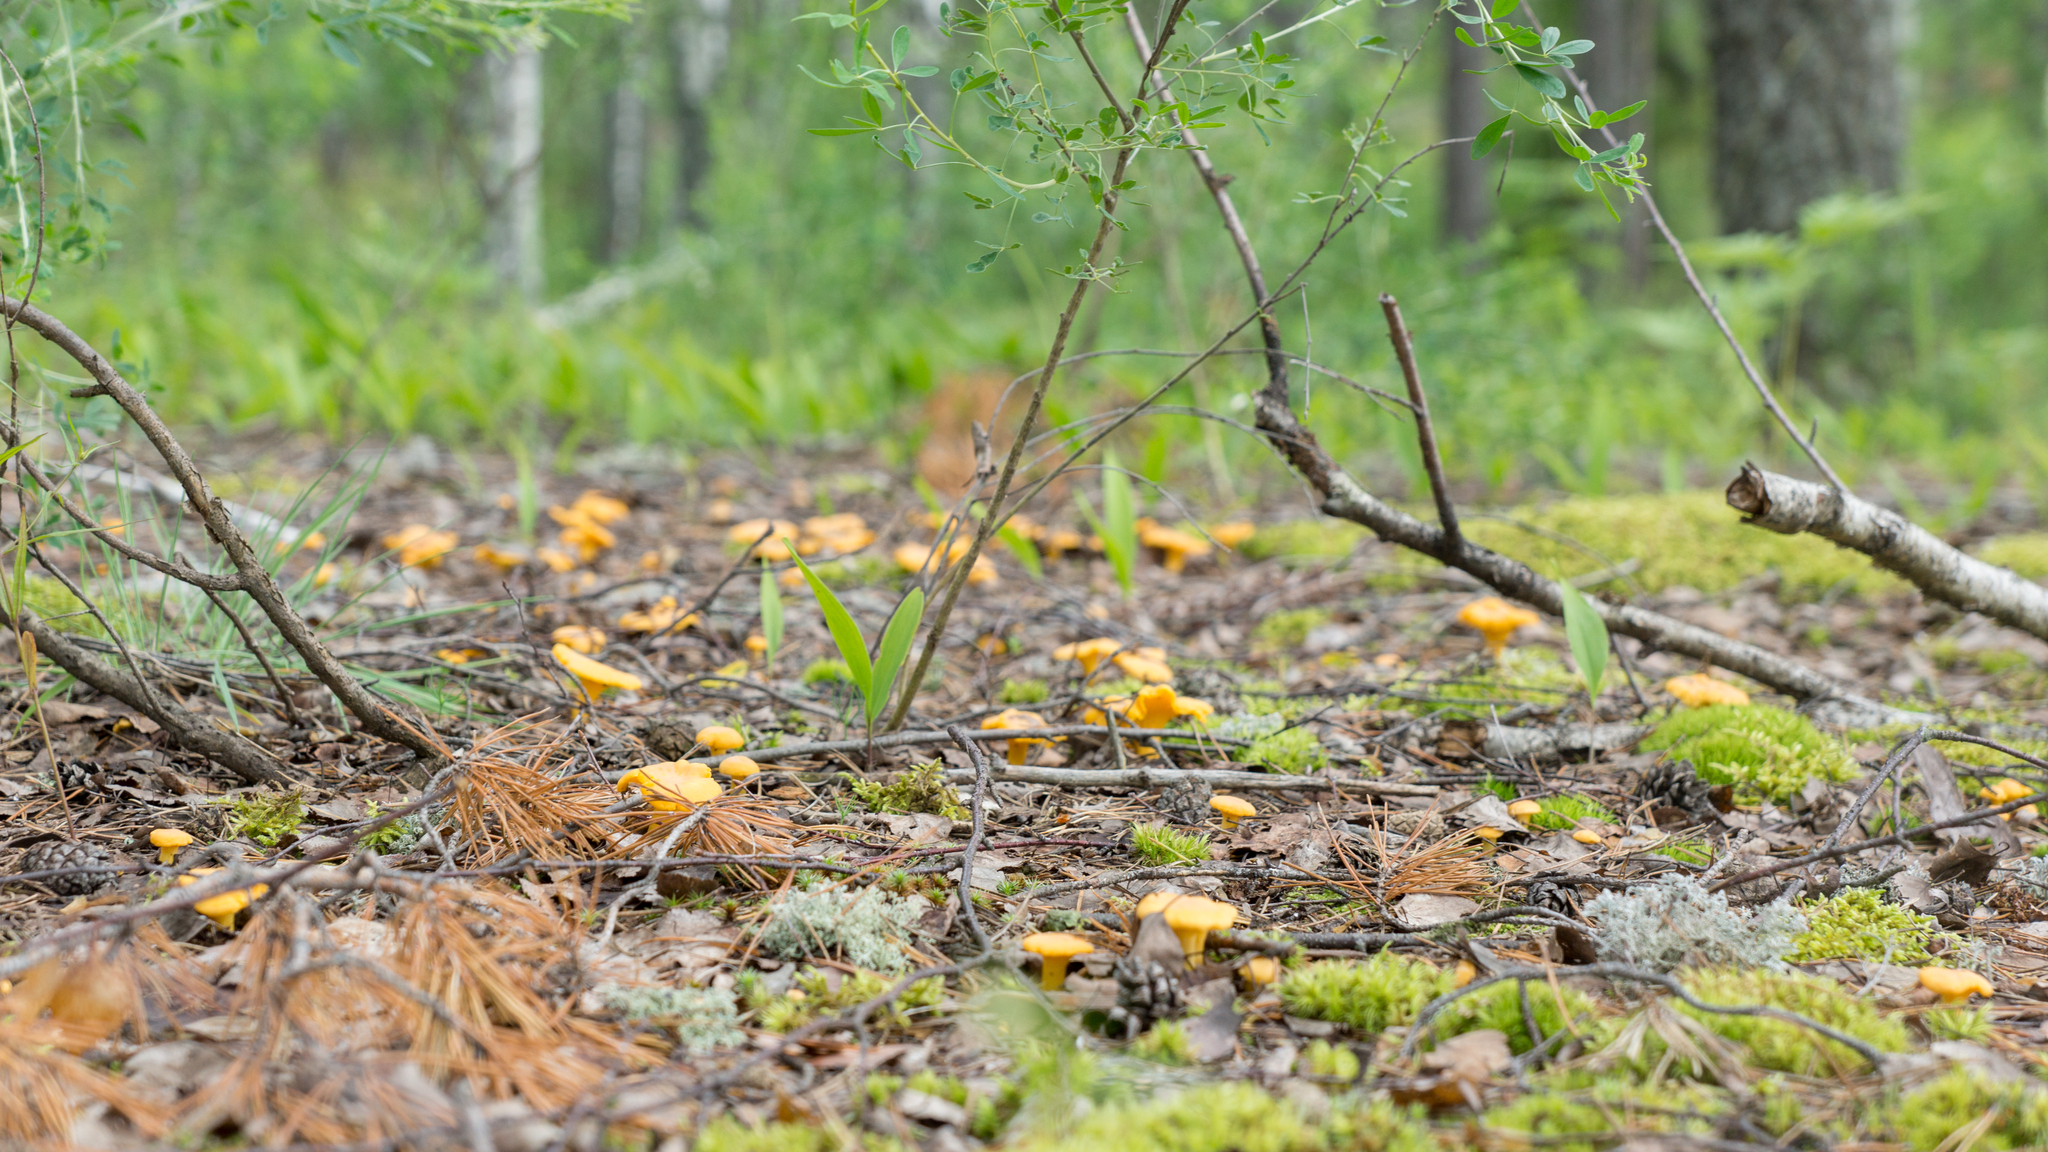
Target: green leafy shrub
<point>1369,995</point>
<point>1158,845</point>
<point>1764,751</point>
<point>921,789</point>
<point>1291,750</point>
<point>1860,924</point>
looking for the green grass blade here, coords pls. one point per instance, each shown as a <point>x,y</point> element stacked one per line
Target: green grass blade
<point>1023,549</point>
<point>1587,634</point>
<point>1119,519</point>
<point>771,613</point>
<point>853,648</point>
<point>889,657</point>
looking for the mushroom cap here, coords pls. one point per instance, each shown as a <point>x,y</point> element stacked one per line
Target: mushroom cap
<point>221,908</point>
<point>1523,809</point>
<point>1261,970</point>
<point>1199,913</point>
<point>1955,983</point>
<point>841,532</point>
<point>1154,707</point>
<point>1139,666</point>
<point>588,641</point>
<point>672,787</point>
<point>1155,901</point>
<point>1234,807</point>
<point>419,546</point>
<point>662,616</point>
<point>590,672</point>
<point>1232,534</point>
<point>1060,944</point>
<point>1089,652</point>
<point>1197,710</point>
<point>502,559</point>
<point>739,767</point>
<point>1699,690</point>
<point>1174,540</point>
<point>1013,718</point>
<point>747,531</point>
<point>1485,833</point>
<point>1586,836</point>
<point>600,507</point>
<point>1464,973</point>
<point>720,738</point>
<point>1491,614</point>
<point>2004,790</point>
<point>168,838</point>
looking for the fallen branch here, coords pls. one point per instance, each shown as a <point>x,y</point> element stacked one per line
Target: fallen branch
<point>1894,543</point>
<point>1214,777</point>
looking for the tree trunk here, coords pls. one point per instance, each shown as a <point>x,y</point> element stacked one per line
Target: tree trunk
<point>514,233</point>
<point>701,37</point>
<point>1468,190</point>
<point>1620,70</point>
<point>1806,103</point>
<point>626,174</point>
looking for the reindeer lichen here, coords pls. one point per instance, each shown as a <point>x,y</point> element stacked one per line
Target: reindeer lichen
<point>701,1018</point>
<point>865,927</point>
<point>1673,922</point>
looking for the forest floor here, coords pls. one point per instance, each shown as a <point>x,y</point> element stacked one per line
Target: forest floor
<point>1470,907</point>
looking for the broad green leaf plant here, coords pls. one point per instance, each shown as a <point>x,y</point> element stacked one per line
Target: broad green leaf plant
<point>874,676</point>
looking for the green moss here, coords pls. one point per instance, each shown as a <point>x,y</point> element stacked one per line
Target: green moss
<point>1292,750</point>
<point>823,671</point>
<point>1690,538</point>
<point>1975,755</point>
<point>1859,924</point>
<point>1781,1044</point>
<point>1228,1117</point>
<point>266,817</point>
<point>1158,845</point>
<point>1764,751</point>
<point>54,604</point>
<point>726,1134</point>
<point>1555,1113</point>
<point>1308,539</point>
<point>921,789</point>
<point>1973,1024</point>
<point>1522,675</point>
<point>1165,1043</point>
<point>1499,1006</point>
<point>1330,1062</point>
<point>1928,1116</point>
<point>1564,812</point>
<point>1286,631</point>
<point>1016,692</point>
<point>1370,995</point>
<point>2024,552</point>
<point>1376,1124</point>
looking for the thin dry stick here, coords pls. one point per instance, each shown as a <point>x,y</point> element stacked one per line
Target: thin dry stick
<point>956,579</point>
<point>1425,431</point>
<point>290,711</point>
<point>980,758</point>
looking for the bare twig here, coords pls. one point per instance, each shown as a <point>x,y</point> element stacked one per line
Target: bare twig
<point>1425,430</point>
<point>975,753</point>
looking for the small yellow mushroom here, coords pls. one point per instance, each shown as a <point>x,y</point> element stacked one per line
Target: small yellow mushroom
<point>1463,974</point>
<point>719,738</point>
<point>748,531</point>
<point>1496,620</point>
<point>600,507</point>
<point>594,677</point>
<point>739,768</point>
<point>1586,836</point>
<point>1699,690</point>
<point>1233,533</point>
<point>1485,832</point>
<point>1144,666</point>
<point>167,841</point>
<point>503,559</point>
<point>1154,902</point>
<point>588,641</point>
<point>1524,810</point>
<point>1017,748</point>
<point>1089,653</point>
<point>556,559</point>
<point>676,787</point>
<point>1259,971</point>
<point>2007,790</point>
<point>664,616</point>
<point>1193,918</point>
<point>1176,546</point>
<point>1198,711</point>
<point>1054,949</point>
<point>223,908</point>
<point>1954,985</point>
<point>757,644</point>
<point>1232,809</point>
<point>419,546</point>
<point>844,533</point>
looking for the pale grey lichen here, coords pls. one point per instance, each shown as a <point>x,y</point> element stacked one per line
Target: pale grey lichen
<point>1672,922</point>
<point>1246,726</point>
<point>865,927</point>
<point>2033,875</point>
<point>701,1018</point>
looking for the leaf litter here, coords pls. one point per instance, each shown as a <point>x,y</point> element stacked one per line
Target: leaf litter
<point>1471,906</point>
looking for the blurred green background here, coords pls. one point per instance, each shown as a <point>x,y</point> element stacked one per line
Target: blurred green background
<point>292,239</point>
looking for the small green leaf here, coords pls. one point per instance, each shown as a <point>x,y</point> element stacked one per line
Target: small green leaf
<point>899,47</point>
<point>853,647</point>
<point>1587,634</point>
<point>1502,7</point>
<point>1489,136</point>
<point>896,638</point>
<point>1022,548</point>
<point>1583,176</point>
<point>1541,81</point>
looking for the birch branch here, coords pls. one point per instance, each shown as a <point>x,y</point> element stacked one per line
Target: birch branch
<point>1894,543</point>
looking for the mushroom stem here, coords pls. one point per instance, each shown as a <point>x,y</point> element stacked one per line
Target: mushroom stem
<point>1052,973</point>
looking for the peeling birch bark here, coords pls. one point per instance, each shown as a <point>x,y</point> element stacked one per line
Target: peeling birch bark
<point>1894,543</point>
<point>1507,743</point>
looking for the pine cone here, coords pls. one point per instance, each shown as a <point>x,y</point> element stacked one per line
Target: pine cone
<point>1186,800</point>
<point>80,776</point>
<point>1676,785</point>
<point>1145,992</point>
<point>51,855</point>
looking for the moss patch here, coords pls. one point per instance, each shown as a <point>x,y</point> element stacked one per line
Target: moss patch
<point>1212,1118</point>
<point>1783,1045</point>
<point>1158,845</point>
<point>921,789</point>
<point>1286,631</point>
<point>1764,751</point>
<point>1930,1115</point>
<point>1859,924</point>
<point>2024,552</point>
<point>1366,995</point>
